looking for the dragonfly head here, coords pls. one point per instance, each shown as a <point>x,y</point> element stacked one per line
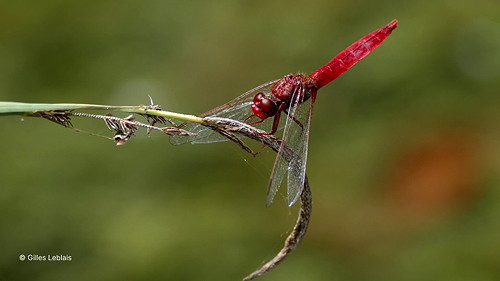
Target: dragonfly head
<point>263,107</point>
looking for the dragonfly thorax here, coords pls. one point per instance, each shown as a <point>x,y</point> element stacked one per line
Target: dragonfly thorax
<point>287,86</point>
<point>292,85</point>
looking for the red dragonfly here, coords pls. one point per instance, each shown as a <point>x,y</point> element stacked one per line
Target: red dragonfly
<point>293,95</point>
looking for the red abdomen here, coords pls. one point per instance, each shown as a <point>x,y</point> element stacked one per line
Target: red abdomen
<point>350,56</point>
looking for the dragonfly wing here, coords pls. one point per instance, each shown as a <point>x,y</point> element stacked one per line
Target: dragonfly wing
<point>204,134</point>
<point>295,141</point>
<point>299,142</point>
<point>279,169</point>
<point>237,109</point>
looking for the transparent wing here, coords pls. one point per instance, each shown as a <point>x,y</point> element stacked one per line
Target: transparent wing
<point>207,135</point>
<point>237,109</point>
<point>299,141</point>
<point>296,139</point>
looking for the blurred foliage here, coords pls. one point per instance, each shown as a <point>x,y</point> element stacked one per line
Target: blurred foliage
<point>404,152</point>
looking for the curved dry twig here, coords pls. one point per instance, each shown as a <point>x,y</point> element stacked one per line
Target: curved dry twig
<point>229,126</point>
<point>294,238</point>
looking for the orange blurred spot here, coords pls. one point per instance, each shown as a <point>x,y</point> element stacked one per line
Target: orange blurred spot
<point>436,177</point>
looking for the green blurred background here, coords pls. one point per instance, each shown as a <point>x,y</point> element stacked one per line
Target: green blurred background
<point>403,159</point>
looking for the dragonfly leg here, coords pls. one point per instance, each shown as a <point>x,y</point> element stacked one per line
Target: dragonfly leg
<point>260,150</point>
<point>256,122</point>
<point>276,120</point>
<point>246,119</point>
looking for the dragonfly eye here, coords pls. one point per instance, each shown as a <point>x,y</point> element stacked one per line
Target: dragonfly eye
<point>263,107</point>
<point>258,97</point>
<point>268,106</point>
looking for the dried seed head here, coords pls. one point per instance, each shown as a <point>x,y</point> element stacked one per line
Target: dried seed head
<point>60,117</point>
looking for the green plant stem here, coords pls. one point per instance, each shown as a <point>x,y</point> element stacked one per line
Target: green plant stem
<point>27,109</point>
